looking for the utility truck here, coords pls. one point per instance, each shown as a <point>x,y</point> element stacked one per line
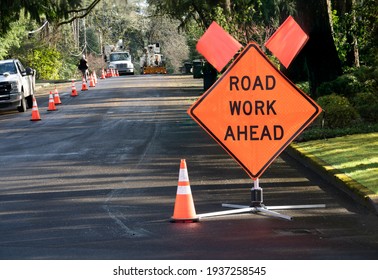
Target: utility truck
<point>118,58</point>
<point>152,61</point>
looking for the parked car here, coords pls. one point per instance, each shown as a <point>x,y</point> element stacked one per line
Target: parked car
<point>17,85</point>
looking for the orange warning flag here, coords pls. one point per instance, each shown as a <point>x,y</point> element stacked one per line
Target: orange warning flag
<point>287,41</point>
<point>217,46</point>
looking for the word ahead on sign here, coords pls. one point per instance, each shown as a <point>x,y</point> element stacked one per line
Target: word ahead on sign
<point>253,111</point>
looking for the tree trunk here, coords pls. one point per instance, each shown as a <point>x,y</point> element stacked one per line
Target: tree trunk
<point>343,8</point>
<point>356,56</point>
<point>329,10</point>
<point>226,5</point>
<point>320,53</point>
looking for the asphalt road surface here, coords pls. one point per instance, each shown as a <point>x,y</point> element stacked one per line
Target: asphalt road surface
<point>97,179</point>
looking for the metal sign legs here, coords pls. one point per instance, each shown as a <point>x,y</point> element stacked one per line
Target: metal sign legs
<point>257,206</point>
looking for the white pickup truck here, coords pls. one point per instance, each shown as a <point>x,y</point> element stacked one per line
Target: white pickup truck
<point>17,85</point>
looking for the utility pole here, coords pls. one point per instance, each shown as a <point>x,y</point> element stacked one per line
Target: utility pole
<point>85,38</point>
<point>100,39</point>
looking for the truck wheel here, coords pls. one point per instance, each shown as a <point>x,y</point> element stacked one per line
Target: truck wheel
<point>29,101</point>
<point>22,107</point>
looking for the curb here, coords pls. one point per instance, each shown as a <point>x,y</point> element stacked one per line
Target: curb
<point>40,87</point>
<point>343,182</point>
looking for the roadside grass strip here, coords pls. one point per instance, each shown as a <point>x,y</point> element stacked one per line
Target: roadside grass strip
<point>353,159</point>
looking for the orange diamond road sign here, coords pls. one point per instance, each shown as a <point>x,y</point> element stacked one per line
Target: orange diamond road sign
<point>253,111</point>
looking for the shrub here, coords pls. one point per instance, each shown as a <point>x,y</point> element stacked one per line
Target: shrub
<point>366,104</point>
<point>358,80</point>
<point>364,73</point>
<point>69,71</point>
<point>338,112</point>
<point>47,62</point>
<point>322,133</point>
<point>346,85</point>
<point>325,89</point>
<point>95,63</point>
<point>304,86</point>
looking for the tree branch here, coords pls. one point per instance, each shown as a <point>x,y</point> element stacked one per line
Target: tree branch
<point>86,11</point>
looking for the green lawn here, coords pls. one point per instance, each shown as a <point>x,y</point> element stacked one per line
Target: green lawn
<point>355,156</point>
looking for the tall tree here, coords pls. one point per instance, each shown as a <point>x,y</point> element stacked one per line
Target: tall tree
<point>246,20</point>
<point>52,10</point>
<point>319,54</point>
<point>345,31</point>
<point>14,37</point>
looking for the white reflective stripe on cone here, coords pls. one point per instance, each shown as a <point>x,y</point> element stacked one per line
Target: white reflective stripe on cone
<point>183,175</point>
<point>184,190</point>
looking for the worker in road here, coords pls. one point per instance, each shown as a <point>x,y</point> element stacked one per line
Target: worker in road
<point>83,67</point>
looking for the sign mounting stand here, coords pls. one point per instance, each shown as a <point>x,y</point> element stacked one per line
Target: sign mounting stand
<point>257,206</point>
<point>254,112</point>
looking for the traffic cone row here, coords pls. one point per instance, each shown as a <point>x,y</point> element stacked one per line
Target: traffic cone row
<point>54,98</point>
<point>110,72</point>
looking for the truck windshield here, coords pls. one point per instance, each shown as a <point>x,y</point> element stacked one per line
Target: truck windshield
<point>8,67</point>
<point>119,56</point>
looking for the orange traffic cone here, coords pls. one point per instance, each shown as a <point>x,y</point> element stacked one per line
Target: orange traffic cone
<point>102,74</point>
<point>57,98</point>
<point>95,77</point>
<point>73,91</point>
<point>91,82</point>
<point>117,73</point>
<point>84,85</point>
<point>35,112</point>
<point>184,210</point>
<point>108,74</point>
<point>51,103</point>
